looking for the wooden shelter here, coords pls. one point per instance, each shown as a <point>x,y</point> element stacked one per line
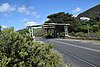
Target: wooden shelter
<point>57,28</point>
<point>52,28</point>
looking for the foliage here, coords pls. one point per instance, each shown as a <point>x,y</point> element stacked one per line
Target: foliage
<point>0,28</point>
<point>38,32</point>
<point>48,35</point>
<point>80,34</point>
<point>62,34</point>
<point>23,31</point>
<point>97,34</point>
<point>62,17</point>
<point>17,50</point>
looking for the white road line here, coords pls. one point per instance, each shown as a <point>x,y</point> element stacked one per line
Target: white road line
<point>77,46</point>
<point>83,41</point>
<point>78,58</point>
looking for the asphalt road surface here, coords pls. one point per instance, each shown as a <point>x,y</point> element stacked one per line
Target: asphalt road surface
<point>77,53</point>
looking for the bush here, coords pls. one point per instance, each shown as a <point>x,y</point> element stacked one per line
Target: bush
<point>17,50</point>
<point>48,36</point>
<point>62,34</point>
<point>80,34</point>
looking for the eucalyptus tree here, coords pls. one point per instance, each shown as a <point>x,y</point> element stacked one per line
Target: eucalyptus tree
<point>66,18</point>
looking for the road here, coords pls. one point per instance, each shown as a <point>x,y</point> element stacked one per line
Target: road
<point>77,53</point>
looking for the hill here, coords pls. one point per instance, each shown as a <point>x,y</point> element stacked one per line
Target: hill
<point>93,13</point>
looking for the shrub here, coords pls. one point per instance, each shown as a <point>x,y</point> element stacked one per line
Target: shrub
<point>17,50</point>
<point>79,34</point>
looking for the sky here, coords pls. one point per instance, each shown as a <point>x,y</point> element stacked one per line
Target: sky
<point>19,13</point>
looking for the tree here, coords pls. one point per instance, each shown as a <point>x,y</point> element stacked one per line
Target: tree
<point>0,28</point>
<point>66,18</point>
<point>60,17</point>
<point>23,31</point>
<point>17,50</point>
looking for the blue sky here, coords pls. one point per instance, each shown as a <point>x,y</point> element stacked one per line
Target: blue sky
<point>18,13</point>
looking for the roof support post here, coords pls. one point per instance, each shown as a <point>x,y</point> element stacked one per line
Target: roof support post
<point>66,30</point>
<point>32,28</point>
<point>29,30</point>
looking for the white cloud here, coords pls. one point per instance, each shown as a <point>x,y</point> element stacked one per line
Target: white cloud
<point>23,9</point>
<point>34,13</point>
<point>3,26</point>
<point>6,8</point>
<point>37,16</point>
<point>30,23</point>
<point>78,9</point>
<point>25,20</point>
<point>28,11</point>
<point>31,7</point>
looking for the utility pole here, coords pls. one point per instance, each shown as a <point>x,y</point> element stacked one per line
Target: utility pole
<point>88,29</point>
